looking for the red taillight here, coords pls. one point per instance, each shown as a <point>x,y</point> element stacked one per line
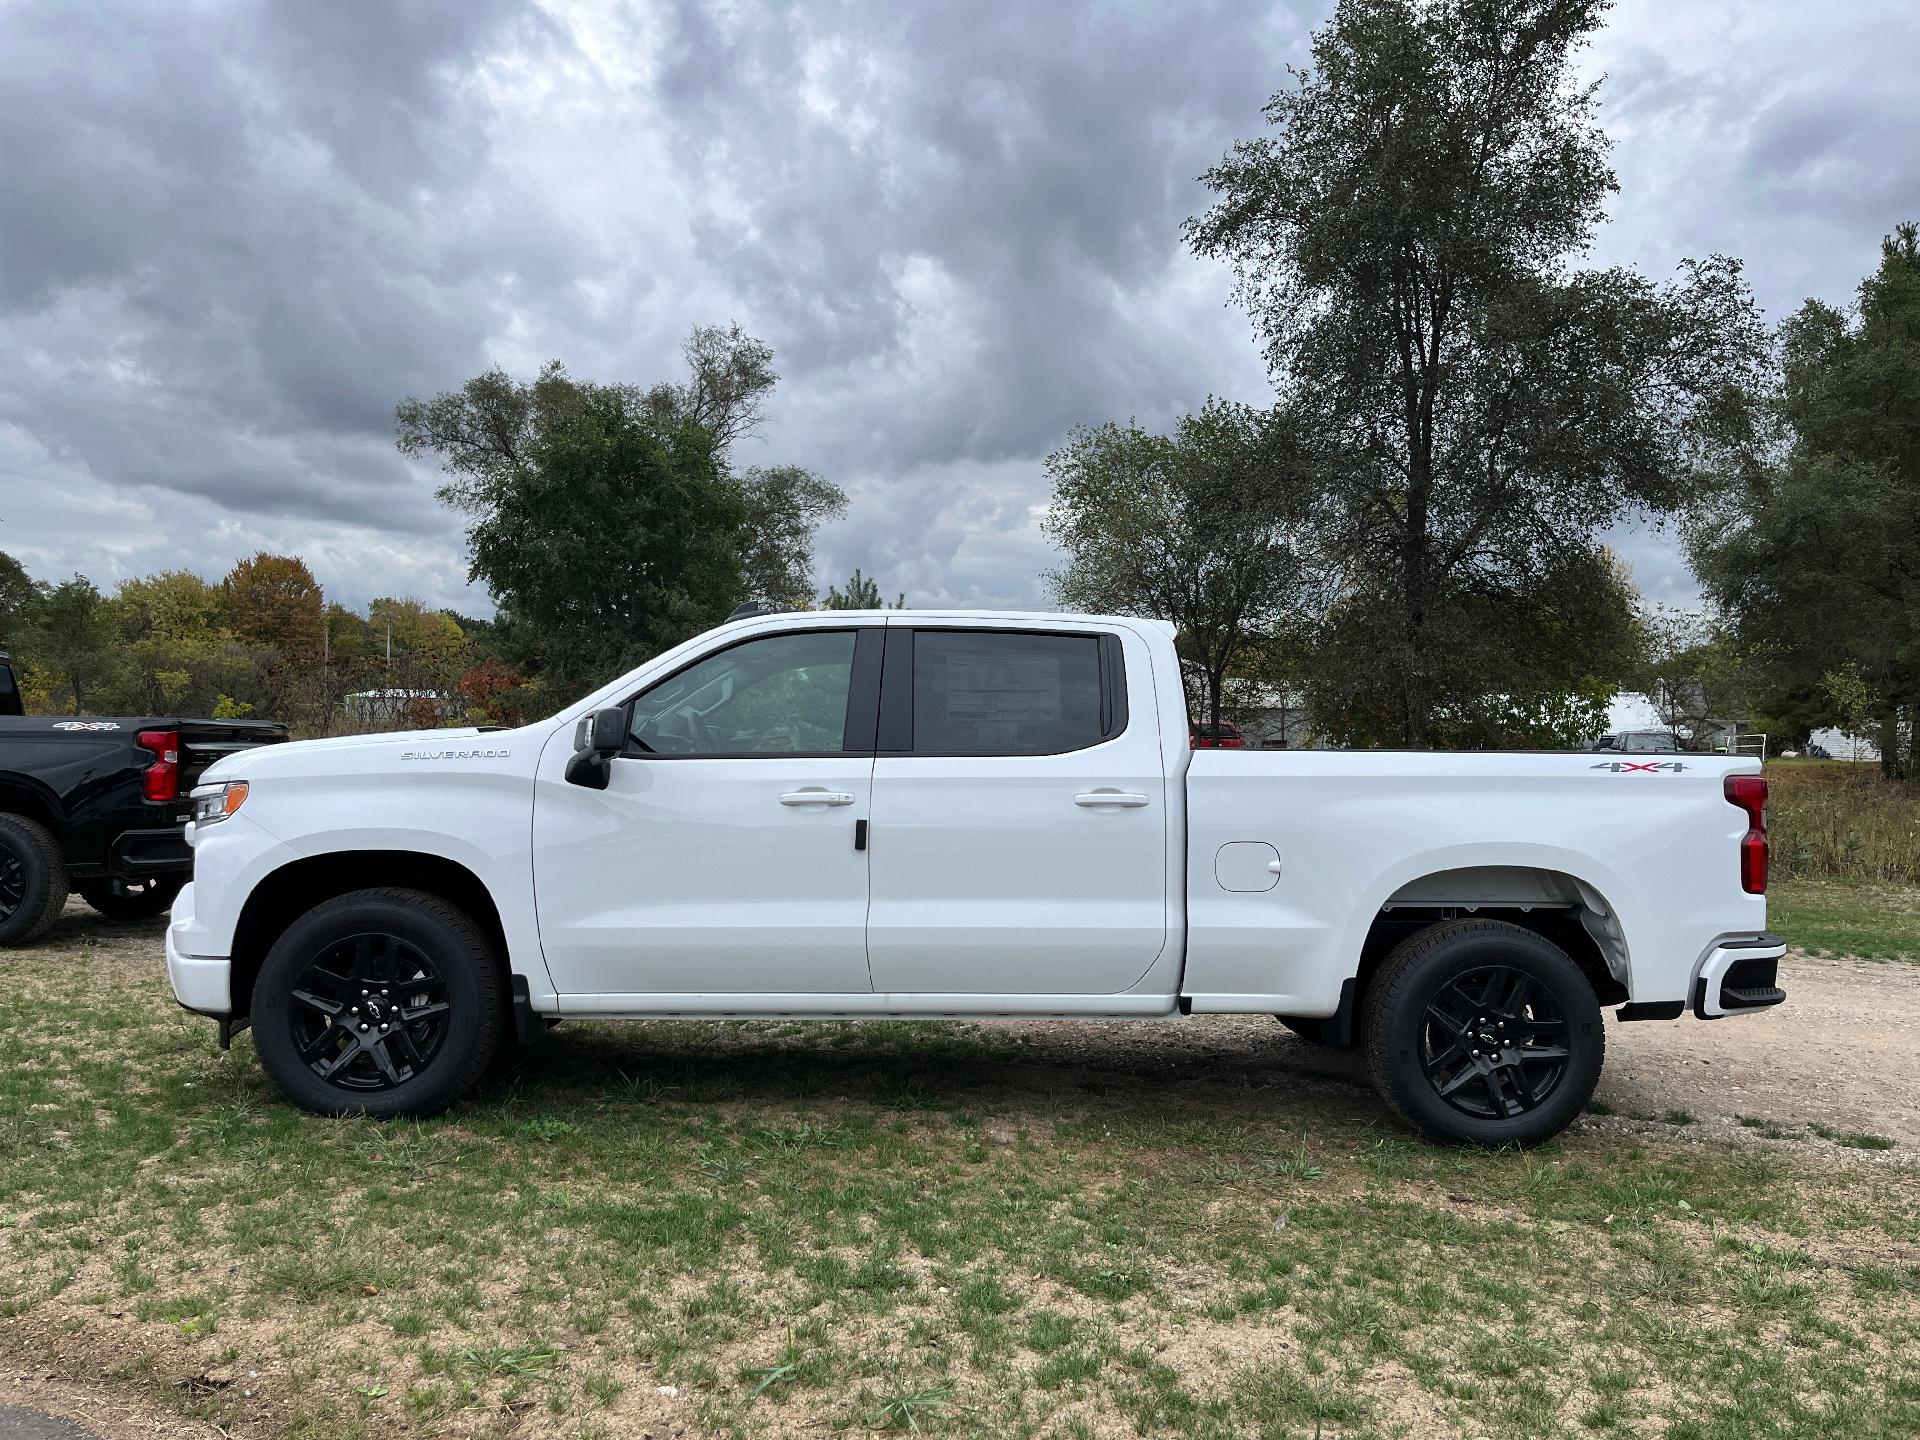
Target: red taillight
<point>161,779</point>
<point>1749,792</point>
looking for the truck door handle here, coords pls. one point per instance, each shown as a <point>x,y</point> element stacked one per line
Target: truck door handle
<point>1120,799</point>
<point>816,796</point>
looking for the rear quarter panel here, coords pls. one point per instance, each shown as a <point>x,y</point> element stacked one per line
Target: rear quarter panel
<point>1659,848</point>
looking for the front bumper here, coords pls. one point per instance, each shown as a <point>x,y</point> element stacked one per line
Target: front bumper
<point>200,982</point>
<point>1739,976</point>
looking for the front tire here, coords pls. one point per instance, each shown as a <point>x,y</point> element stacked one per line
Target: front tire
<point>131,899</point>
<point>1478,1032</point>
<point>33,880</point>
<point>380,1002</point>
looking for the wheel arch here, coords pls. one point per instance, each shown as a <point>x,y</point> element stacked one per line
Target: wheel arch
<point>1554,903</point>
<point>285,894</point>
<point>22,795</point>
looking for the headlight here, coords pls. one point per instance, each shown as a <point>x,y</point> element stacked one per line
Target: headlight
<point>217,804</point>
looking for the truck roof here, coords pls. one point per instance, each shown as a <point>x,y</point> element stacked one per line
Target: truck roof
<point>991,617</point>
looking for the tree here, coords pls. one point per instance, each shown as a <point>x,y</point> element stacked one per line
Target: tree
<point>179,652</point>
<point>862,593</point>
<point>1698,675</point>
<point>611,536</point>
<point>729,376</point>
<point>1204,527</point>
<point>784,506</point>
<point>1478,406</point>
<point>17,594</point>
<point>70,635</point>
<point>274,600</point>
<point>607,520</point>
<point>1810,551</point>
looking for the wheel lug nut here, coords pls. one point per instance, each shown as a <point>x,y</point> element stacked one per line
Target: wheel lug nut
<point>383,1029</point>
<point>363,1024</point>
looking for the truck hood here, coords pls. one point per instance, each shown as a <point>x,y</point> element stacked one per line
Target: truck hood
<point>290,755</point>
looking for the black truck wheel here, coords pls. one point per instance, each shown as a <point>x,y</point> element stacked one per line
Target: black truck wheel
<point>131,899</point>
<point>379,1002</point>
<point>1478,1032</point>
<point>33,879</point>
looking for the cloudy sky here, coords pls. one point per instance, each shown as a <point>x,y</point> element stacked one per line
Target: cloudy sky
<point>233,235</point>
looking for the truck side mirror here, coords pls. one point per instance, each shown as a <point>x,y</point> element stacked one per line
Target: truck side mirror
<point>596,740</point>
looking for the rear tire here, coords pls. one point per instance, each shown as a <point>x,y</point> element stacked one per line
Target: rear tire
<point>380,1002</point>
<point>1478,1032</point>
<point>131,899</point>
<point>33,880</point>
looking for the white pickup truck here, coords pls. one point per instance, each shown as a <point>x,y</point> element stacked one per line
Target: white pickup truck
<point>847,814</point>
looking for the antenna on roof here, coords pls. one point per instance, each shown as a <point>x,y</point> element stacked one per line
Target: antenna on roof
<point>749,610</point>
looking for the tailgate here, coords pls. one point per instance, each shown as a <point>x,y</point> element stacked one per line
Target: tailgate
<point>203,742</point>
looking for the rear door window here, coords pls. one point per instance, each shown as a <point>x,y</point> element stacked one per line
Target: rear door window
<point>1006,693</point>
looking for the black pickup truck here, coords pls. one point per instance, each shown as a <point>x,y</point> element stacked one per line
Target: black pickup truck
<point>96,804</point>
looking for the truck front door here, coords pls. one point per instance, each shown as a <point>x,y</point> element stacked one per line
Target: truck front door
<point>726,855</point>
<point>1019,815</point>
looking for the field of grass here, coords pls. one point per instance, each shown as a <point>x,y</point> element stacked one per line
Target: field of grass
<point>1836,820</point>
<point>780,1229</point>
<point>1872,922</point>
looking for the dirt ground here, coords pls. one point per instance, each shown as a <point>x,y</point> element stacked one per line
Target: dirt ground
<point>1844,1051</point>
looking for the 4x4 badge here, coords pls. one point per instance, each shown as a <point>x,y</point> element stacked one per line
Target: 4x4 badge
<point>1649,767</point>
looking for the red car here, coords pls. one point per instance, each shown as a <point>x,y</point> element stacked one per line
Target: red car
<point>1215,737</point>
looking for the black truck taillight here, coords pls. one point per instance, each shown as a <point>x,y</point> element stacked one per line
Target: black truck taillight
<point>161,779</point>
<point>1749,792</point>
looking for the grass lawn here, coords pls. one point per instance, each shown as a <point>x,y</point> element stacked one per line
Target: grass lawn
<point>1827,917</point>
<point>780,1229</point>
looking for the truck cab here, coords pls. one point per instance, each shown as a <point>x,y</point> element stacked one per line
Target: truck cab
<point>949,814</point>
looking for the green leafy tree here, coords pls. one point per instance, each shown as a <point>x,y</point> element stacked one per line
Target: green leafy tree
<point>1811,551</point>
<point>1699,676</point>
<point>862,593</point>
<point>71,637</point>
<point>604,532</point>
<point>607,520</point>
<point>17,594</point>
<point>1204,527</point>
<point>1480,407</point>
<point>179,653</point>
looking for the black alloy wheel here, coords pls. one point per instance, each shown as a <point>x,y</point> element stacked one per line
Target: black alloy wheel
<point>33,879</point>
<point>13,884</point>
<point>379,1002</point>
<point>370,1013</point>
<point>1494,1044</point>
<point>1482,1032</point>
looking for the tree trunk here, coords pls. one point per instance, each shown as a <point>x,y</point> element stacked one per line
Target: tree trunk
<point>1890,766</point>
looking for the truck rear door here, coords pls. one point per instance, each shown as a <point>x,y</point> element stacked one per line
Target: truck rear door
<point>1019,841</point>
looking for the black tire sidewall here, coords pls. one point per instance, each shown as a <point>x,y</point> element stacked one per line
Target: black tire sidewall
<point>472,991</point>
<point>28,843</point>
<point>1396,1042</point>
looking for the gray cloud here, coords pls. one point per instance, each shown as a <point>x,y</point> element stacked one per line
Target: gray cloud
<point>232,238</point>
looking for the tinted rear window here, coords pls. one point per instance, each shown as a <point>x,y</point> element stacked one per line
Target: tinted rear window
<point>977,693</point>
